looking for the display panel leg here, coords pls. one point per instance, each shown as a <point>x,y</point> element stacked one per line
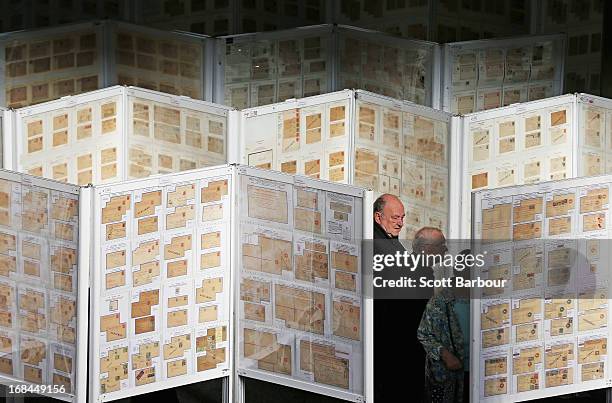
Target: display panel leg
<point>609,395</point>
<point>225,390</point>
<point>239,389</point>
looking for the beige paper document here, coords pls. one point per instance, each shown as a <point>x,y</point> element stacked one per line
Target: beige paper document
<point>267,204</point>
<point>495,316</point>
<point>526,311</point>
<point>593,319</point>
<point>594,200</point>
<point>528,382</point>
<point>526,359</point>
<point>559,377</point>
<point>496,386</point>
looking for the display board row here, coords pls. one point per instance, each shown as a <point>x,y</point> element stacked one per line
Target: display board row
<point>47,64</point>
<point>431,159</point>
<point>544,333</point>
<point>263,68</point>
<point>526,143</point>
<point>172,258</point>
<point>116,134</point>
<point>428,20</point>
<point>438,20</point>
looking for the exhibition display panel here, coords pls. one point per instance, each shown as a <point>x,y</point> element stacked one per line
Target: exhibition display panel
<point>268,67</point>
<point>44,275</point>
<point>361,138</point>
<point>116,134</point>
<point>161,313</point>
<point>46,64</point>
<point>519,144</point>
<point>396,67</point>
<point>486,74</point>
<point>299,292</point>
<point>544,333</point>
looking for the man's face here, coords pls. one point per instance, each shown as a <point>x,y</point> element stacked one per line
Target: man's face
<point>392,217</point>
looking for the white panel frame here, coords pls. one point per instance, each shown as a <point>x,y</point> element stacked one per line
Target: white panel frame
<point>84,221</point>
<point>95,299</point>
<point>464,221</point>
<point>455,177</point>
<point>583,100</point>
<point>368,304</point>
<point>477,199</point>
<point>367,321</point>
<point>6,135</point>
<point>446,89</point>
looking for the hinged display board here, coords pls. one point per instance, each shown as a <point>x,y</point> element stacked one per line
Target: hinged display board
<point>486,74</point>
<point>361,138</point>
<point>265,68</point>
<point>46,64</point>
<point>178,257</point>
<point>396,67</point>
<point>116,134</point>
<point>165,61</point>
<point>546,332</point>
<point>404,149</point>
<point>44,231</point>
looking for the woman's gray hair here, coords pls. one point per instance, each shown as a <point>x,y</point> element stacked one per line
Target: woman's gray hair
<point>424,237</point>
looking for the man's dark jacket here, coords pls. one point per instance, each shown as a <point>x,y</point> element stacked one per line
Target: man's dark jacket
<point>396,320</point>
<point>385,244</point>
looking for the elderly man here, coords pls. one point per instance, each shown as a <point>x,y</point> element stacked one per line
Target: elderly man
<point>391,306</point>
<point>388,218</point>
<point>388,223</point>
<point>440,331</point>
